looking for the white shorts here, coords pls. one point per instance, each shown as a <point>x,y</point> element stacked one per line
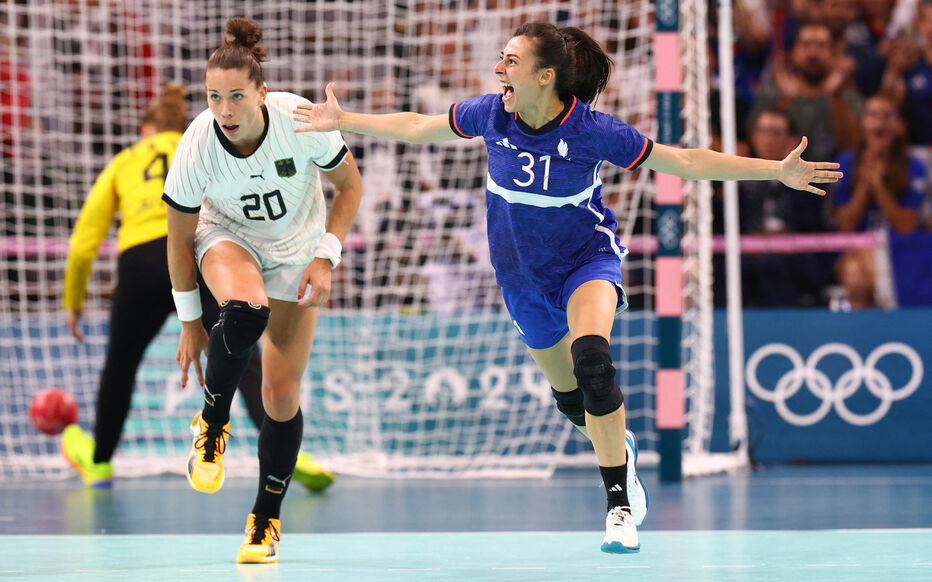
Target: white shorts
<point>281,280</point>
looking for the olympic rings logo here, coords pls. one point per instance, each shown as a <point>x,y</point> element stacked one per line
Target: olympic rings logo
<point>834,395</point>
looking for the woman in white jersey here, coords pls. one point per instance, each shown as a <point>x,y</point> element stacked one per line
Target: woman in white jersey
<point>552,242</point>
<point>246,207</point>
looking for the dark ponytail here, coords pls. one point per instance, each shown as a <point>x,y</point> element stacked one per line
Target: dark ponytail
<point>242,51</point>
<point>582,67</point>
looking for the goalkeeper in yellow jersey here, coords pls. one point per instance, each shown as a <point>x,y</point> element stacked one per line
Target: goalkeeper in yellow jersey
<point>132,183</point>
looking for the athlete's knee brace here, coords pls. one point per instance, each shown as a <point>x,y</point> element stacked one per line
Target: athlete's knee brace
<point>571,404</point>
<point>592,366</point>
<point>240,325</point>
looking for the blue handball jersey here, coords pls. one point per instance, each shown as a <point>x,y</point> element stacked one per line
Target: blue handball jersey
<point>543,192</point>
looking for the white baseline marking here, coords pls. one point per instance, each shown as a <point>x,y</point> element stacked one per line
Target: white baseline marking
<point>729,566</point>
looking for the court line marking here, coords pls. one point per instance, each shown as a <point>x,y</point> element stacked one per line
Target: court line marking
<point>519,568</point>
<point>729,566</point>
<point>622,567</point>
<point>833,565</point>
<point>648,533</point>
<point>413,569</point>
<point>822,481</point>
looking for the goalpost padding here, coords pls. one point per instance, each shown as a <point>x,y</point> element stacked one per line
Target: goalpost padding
<point>416,370</point>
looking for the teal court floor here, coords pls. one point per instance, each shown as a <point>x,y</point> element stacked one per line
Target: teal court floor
<point>785,523</point>
<point>695,555</point>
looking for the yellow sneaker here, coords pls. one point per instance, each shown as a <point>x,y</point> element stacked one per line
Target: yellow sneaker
<point>261,543</point>
<point>78,448</point>
<point>312,474</point>
<point>205,463</point>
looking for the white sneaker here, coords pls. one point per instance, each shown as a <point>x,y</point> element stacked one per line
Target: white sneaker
<point>637,493</point>
<point>621,535</point>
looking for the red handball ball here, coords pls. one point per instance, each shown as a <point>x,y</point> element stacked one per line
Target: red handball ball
<point>52,410</point>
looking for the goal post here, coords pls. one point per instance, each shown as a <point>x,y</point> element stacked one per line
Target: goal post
<point>416,370</point>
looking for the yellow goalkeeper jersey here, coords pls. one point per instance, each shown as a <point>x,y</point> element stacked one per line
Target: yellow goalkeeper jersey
<point>132,183</point>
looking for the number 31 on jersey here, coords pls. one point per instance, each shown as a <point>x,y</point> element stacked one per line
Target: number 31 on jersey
<point>528,169</point>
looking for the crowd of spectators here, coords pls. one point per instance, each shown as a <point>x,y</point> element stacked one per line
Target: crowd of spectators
<point>855,77</point>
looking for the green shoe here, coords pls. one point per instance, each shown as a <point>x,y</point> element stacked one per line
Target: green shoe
<point>78,448</point>
<point>311,474</point>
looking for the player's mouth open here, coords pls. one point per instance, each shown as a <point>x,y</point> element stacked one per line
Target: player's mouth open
<point>230,128</point>
<point>507,92</point>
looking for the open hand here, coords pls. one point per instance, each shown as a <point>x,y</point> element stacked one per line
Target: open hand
<point>800,174</point>
<point>786,80</point>
<point>319,116</point>
<point>842,71</point>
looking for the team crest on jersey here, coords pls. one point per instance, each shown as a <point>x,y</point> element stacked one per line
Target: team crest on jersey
<point>285,167</point>
<point>562,148</point>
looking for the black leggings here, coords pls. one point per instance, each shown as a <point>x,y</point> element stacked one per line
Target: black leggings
<point>141,303</point>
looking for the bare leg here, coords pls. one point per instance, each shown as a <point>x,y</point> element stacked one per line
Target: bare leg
<point>591,311</point>
<point>556,362</point>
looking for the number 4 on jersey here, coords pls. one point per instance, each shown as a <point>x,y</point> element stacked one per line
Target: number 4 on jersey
<point>157,168</point>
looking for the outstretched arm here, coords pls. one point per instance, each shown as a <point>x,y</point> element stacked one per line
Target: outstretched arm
<point>700,164</point>
<point>409,127</point>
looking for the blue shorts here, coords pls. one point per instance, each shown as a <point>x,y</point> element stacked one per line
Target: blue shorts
<point>540,318</point>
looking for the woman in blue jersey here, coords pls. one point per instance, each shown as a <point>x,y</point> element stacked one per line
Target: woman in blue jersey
<point>246,208</point>
<point>552,242</point>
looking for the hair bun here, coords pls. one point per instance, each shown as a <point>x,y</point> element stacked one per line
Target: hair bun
<point>245,32</point>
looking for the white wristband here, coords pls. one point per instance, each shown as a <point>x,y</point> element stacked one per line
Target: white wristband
<point>329,247</point>
<point>187,304</point>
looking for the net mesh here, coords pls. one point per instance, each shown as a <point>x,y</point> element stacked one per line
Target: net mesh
<point>416,370</point>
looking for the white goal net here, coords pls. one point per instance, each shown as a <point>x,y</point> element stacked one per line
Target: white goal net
<point>416,370</point>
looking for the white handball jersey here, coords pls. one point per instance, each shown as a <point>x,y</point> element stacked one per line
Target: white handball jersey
<point>271,198</point>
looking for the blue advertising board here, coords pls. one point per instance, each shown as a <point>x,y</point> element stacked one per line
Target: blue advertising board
<point>825,386</point>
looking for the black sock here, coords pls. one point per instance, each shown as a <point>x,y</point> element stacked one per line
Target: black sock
<point>616,485</point>
<point>227,360</point>
<point>279,443</point>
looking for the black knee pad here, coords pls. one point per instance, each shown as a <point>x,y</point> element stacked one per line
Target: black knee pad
<point>571,404</point>
<point>595,375</point>
<point>240,325</point>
